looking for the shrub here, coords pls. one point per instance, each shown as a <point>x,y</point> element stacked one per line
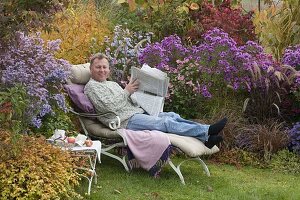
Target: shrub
<point>264,139</point>
<point>38,171</point>
<point>278,27</point>
<point>286,162</point>
<point>294,134</point>
<point>291,102</point>
<point>217,56</point>
<point>235,122</point>
<point>166,55</point>
<point>60,120</point>
<point>27,16</point>
<point>163,18</point>
<point>238,157</point>
<point>13,104</point>
<point>233,21</point>
<point>217,63</point>
<point>291,57</point>
<point>30,63</point>
<point>290,107</point>
<point>81,29</point>
<point>123,49</point>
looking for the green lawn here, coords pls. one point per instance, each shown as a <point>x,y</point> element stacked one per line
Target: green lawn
<point>226,182</point>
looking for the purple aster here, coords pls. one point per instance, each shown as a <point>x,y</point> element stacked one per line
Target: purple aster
<point>29,63</point>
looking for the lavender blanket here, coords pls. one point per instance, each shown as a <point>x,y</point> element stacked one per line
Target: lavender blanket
<point>147,149</point>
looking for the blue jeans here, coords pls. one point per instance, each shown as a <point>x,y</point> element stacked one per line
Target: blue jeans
<point>169,122</point>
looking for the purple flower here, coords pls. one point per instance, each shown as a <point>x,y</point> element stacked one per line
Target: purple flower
<point>53,46</point>
<point>294,134</point>
<point>37,122</point>
<point>46,108</point>
<point>29,63</point>
<point>291,56</point>
<point>60,100</point>
<point>218,59</point>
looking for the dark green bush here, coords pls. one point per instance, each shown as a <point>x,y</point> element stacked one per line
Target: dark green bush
<point>286,162</point>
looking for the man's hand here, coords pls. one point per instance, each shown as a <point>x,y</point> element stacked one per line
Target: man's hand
<point>132,86</point>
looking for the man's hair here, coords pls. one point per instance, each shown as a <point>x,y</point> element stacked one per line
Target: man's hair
<point>99,56</point>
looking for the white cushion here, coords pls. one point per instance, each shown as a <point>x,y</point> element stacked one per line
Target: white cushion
<point>191,146</point>
<point>80,74</point>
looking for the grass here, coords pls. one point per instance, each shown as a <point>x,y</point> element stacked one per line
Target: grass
<point>226,182</point>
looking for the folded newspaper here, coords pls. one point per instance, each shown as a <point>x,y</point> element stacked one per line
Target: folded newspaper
<point>152,90</point>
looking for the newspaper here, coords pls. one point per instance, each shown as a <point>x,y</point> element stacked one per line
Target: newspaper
<point>80,140</point>
<point>152,89</point>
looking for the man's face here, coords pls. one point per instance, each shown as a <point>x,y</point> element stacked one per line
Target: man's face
<point>100,69</point>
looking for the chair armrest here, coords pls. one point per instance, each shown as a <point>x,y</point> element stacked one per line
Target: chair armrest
<point>114,125</point>
<point>89,115</point>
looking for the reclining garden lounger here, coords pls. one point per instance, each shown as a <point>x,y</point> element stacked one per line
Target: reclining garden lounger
<point>111,139</point>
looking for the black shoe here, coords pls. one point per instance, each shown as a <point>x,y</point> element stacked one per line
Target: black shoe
<point>213,140</point>
<point>216,128</point>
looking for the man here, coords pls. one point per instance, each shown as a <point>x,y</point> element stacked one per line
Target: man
<point>108,96</point>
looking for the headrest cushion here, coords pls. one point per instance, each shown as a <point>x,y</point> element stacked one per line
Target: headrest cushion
<point>80,74</point>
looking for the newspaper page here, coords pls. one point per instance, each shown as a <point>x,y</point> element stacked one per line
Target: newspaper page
<point>152,89</point>
<point>152,104</point>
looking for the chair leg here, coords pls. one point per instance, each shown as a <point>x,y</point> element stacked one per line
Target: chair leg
<point>178,171</point>
<point>122,160</point>
<point>105,151</point>
<point>203,165</point>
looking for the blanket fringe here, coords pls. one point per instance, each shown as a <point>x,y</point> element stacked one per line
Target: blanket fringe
<point>156,168</point>
<point>133,163</point>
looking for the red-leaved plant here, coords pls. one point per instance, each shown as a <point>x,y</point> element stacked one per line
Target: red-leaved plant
<point>233,21</point>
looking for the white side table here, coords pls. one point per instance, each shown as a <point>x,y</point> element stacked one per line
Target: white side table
<point>92,154</point>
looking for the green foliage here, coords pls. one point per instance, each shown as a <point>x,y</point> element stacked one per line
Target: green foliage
<point>286,162</point>
<point>27,15</point>
<point>279,27</point>
<point>60,120</point>
<point>223,98</point>
<point>39,171</point>
<point>184,99</point>
<point>15,117</point>
<point>163,18</point>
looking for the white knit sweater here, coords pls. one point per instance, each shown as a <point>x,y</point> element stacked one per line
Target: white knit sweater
<point>108,96</point>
